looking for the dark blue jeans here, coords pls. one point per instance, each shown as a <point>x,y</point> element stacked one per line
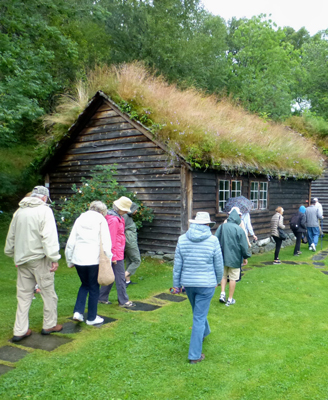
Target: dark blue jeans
<point>200,300</point>
<point>89,278</point>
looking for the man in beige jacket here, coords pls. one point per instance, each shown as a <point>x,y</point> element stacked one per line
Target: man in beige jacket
<point>32,241</point>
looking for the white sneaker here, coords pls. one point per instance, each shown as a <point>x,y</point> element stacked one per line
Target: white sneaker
<point>78,317</point>
<point>310,247</point>
<point>313,247</point>
<point>96,321</point>
<point>222,298</point>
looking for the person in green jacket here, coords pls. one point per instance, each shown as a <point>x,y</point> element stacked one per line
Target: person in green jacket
<point>234,248</point>
<point>131,251</point>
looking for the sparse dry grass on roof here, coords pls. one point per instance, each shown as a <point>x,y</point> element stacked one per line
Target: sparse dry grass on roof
<point>206,131</point>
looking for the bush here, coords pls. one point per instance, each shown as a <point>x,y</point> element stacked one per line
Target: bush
<point>101,186</point>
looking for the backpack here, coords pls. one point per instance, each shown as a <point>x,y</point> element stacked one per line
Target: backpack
<point>294,223</point>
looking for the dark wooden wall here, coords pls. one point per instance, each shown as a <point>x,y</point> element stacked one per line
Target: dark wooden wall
<point>289,194</point>
<point>319,189</point>
<point>142,167</point>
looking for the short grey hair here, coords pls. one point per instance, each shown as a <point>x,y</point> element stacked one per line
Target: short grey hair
<point>98,206</point>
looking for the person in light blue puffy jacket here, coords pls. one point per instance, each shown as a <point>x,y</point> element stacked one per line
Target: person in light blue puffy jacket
<point>198,266</point>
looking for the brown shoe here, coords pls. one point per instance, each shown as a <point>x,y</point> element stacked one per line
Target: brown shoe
<point>202,356</point>
<point>56,328</point>
<point>19,338</point>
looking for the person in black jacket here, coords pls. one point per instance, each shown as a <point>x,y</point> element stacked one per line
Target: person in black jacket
<point>298,229</point>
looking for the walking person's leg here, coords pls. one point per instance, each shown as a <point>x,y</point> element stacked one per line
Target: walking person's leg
<point>82,294</point>
<point>119,273</point>
<point>297,248</point>
<point>310,237</point>
<point>105,290</point>
<point>278,247</point>
<point>316,234</point>
<point>93,292</point>
<point>46,282</point>
<point>25,292</point>
<point>133,259</point>
<point>202,300</point>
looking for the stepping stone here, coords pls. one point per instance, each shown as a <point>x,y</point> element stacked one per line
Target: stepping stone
<point>44,342</point>
<point>266,263</point>
<point>5,368</point>
<point>78,325</point>
<point>71,327</point>
<point>319,267</point>
<point>171,297</point>
<point>143,307</point>
<point>289,262</point>
<point>12,354</point>
<point>319,263</point>
<point>325,272</point>
<point>303,263</point>
<point>318,258</point>
<point>262,266</point>
<point>247,268</point>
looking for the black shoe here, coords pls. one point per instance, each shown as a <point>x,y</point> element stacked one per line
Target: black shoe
<point>19,338</point>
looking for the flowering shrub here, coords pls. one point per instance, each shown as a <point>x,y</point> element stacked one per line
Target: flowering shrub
<point>101,186</point>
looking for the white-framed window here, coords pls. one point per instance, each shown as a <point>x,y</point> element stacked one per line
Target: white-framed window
<point>224,193</point>
<point>259,195</point>
<point>227,189</point>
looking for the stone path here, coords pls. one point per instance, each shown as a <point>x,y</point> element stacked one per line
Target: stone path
<point>317,258</point>
<point>11,354</point>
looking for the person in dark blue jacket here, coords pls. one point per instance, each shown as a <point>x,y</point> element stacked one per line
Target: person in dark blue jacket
<point>198,266</point>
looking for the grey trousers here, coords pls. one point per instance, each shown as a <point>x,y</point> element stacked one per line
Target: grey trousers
<point>28,274</point>
<point>119,273</point>
<point>132,258</point>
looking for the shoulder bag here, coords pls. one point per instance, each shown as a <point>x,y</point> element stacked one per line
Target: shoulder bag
<point>282,233</point>
<point>105,274</point>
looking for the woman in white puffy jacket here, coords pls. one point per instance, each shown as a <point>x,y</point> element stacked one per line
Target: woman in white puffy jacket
<point>82,251</point>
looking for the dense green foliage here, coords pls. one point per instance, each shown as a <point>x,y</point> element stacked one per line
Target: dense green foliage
<point>101,186</point>
<point>44,45</point>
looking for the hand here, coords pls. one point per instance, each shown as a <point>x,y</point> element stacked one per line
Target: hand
<point>255,237</point>
<point>114,262</point>
<point>54,266</point>
<point>245,262</point>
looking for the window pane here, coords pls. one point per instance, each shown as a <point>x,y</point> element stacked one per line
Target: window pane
<point>224,193</point>
<point>255,194</point>
<point>263,195</point>
<point>235,188</point>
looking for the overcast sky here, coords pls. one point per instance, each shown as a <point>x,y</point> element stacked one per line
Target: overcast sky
<point>295,13</point>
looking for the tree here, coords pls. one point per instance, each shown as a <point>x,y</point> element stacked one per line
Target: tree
<point>264,68</point>
<point>42,50</point>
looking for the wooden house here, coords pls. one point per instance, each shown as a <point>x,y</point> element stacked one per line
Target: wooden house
<point>163,181</point>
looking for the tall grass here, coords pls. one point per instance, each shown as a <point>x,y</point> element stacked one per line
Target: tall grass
<point>206,130</point>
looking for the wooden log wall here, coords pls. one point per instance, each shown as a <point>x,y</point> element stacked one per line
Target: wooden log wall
<point>289,194</point>
<point>142,167</point>
<point>319,189</point>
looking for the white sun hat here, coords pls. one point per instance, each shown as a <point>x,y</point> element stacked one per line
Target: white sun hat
<point>202,218</point>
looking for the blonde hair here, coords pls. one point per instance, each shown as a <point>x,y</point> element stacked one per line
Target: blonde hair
<point>98,206</point>
<point>279,210</point>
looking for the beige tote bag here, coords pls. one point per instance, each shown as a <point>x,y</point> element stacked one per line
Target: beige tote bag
<point>105,274</point>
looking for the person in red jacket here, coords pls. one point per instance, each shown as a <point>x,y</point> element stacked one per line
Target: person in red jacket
<point>116,226</point>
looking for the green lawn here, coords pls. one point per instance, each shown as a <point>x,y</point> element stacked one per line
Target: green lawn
<point>271,345</point>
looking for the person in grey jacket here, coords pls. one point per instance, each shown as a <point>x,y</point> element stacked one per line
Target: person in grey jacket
<point>312,215</point>
<point>198,266</point>
<point>131,251</point>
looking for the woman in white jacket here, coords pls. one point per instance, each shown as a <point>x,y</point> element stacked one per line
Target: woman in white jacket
<point>82,251</point>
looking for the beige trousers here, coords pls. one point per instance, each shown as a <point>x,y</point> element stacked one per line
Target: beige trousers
<point>28,274</point>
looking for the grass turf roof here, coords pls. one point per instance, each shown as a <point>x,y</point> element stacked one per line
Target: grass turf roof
<point>207,132</point>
